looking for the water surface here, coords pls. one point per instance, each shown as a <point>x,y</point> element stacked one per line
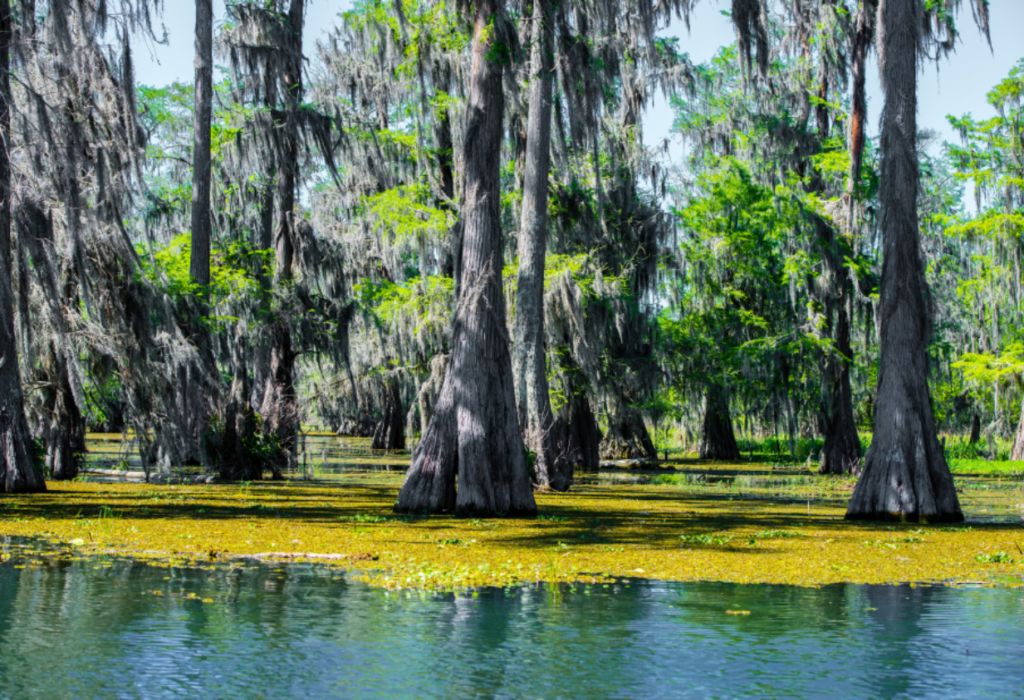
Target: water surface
<point>120,629</point>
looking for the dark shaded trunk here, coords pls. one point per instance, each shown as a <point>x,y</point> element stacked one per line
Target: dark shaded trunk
<point>201,226</point>
<point>360,425</point>
<point>280,409</point>
<point>841,452</point>
<point>390,432</point>
<point>261,370</point>
<point>535,416</point>
<point>443,137</point>
<point>580,437</point>
<point>234,455</point>
<point>474,431</point>
<point>717,440</point>
<point>63,425</point>
<point>627,436</point>
<point>975,429</point>
<point>18,471</point>
<point>905,473</point>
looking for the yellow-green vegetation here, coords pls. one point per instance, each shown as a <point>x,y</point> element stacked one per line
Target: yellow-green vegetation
<point>688,527</point>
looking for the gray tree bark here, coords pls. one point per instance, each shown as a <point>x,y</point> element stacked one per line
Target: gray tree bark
<point>536,418</point>
<point>1017,451</point>
<point>17,467</point>
<point>905,473</point>
<point>199,264</point>
<point>474,432</point>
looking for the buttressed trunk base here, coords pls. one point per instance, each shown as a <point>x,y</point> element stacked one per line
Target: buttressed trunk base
<point>905,472</point>
<point>474,433</point>
<point>717,439</point>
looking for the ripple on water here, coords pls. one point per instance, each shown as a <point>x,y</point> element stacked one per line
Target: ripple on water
<point>72,630</point>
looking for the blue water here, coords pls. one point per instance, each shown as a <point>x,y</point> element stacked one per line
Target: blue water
<point>95,629</point>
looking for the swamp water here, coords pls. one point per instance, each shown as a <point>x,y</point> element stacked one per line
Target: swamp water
<point>111,628</point>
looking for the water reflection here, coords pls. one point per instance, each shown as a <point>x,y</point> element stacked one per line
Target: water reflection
<point>95,628</point>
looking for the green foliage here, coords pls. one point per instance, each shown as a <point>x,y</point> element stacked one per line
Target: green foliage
<point>987,368</point>
<point>230,272</point>
<point>406,212</point>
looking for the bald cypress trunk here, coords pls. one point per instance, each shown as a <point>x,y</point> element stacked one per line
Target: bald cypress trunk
<point>859,104</point>
<point>717,439</point>
<point>905,473</point>
<point>17,467</point>
<point>975,429</point>
<point>390,431</point>
<point>551,468</point>
<point>1017,451</point>
<point>841,452</point>
<point>627,436</point>
<point>201,225</point>
<point>280,409</point>
<point>474,432</point>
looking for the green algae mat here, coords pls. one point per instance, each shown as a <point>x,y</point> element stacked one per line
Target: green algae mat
<point>679,527</point>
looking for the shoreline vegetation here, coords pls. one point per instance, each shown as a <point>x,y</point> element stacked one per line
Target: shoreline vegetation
<point>686,521</point>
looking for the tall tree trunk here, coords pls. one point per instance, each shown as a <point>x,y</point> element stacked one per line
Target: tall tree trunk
<point>717,440</point>
<point>580,435</point>
<point>63,425</point>
<point>859,104</point>
<point>280,409</point>
<point>1017,451</point>
<point>975,429</point>
<point>627,437</point>
<point>202,229</point>
<point>17,468</point>
<point>905,472</point>
<point>234,454</point>
<point>201,169</point>
<point>535,416</point>
<point>390,432</point>
<point>841,452</point>
<point>474,432</point>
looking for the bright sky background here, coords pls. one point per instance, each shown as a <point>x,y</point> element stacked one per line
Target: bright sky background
<point>955,86</point>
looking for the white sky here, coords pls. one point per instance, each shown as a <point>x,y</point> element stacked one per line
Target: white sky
<point>956,86</point>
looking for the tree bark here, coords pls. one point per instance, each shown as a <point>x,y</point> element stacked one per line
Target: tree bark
<point>17,466</point>
<point>1017,451</point>
<point>905,472</point>
<point>234,455</point>
<point>975,429</point>
<point>63,425</point>
<point>717,440</point>
<point>628,437</point>
<point>199,264</point>
<point>859,104</point>
<point>280,409</point>
<point>580,437</point>
<point>390,432</point>
<point>550,468</point>
<point>474,432</point>
<point>841,452</point>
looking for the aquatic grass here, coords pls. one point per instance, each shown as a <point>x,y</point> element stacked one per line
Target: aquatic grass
<point>593,534</point>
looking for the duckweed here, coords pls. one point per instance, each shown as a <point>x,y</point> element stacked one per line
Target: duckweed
<point>592,535</point>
